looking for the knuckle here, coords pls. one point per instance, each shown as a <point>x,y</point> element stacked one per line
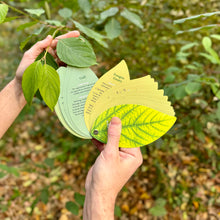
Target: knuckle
<point>27,53</point>
<point>108,154</point>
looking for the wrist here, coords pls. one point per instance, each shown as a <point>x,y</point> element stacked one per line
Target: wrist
<point>17,87</point>
<point>98,206</point>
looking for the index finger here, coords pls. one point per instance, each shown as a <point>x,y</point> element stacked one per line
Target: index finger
<point>67,35</point>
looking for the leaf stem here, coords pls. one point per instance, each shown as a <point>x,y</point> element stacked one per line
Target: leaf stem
<point>54,34</point>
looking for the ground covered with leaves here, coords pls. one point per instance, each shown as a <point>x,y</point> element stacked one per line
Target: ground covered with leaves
<point>46,172</point>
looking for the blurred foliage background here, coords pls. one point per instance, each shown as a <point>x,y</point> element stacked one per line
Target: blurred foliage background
<point>43,167</point>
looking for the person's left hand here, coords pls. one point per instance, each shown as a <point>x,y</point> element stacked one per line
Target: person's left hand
<point>31,54</point>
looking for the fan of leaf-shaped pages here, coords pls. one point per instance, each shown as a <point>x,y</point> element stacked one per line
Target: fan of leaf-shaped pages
<point>86,105</point>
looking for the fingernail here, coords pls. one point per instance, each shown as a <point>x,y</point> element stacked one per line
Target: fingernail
<point>48,37</point>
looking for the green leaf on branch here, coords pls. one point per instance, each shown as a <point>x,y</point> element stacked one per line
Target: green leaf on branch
<point>72,207</point>
<point>76,51</point>
<point>85,5</point>
<point>65,13</point>
<point>188,46</point>
<point>49,86</point>
<point>108,13</point>
<point>49,60</point>
<point>30,80</point>
<point>218,111</point>
<point>8,19</point>
<point>90,33</point>
<point>3,12</point>
<point>132,17</point>
<point>207,43</point>
<point>54,22</point>
<point>210,58</point>
<point>25,41</point>
<point>113,28</point>
<point>180,92</point>
<point>206,27</point>
<point>193,87</point>
<point>37,12</point>
<point>216,89</point>
<point>26,25</point>
<point>182,20</point>
<point>215,36</point>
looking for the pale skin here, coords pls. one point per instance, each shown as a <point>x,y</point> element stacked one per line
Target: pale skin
<point>113,167</point>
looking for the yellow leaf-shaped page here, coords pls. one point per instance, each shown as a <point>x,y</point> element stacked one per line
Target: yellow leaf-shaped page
<point>113,77</point>
<point>142,91</point>
<point>141,125</point>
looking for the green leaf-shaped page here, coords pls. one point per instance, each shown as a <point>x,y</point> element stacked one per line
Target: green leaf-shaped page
<point>141,125</point>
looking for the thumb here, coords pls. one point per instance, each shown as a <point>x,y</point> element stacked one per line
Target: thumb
<point>114,133</point>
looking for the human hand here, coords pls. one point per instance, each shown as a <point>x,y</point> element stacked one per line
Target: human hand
<point>31,54</point>
<point>107,176</point>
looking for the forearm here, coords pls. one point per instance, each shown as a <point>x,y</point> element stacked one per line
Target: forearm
<point>12,101</point>
<point>98,207</point>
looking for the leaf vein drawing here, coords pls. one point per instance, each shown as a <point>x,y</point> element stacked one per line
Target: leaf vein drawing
<point>141,125</point>
<point>159,122</point>
<point>144,131</point>
<point>136,133</point>
<point>140,115</point>
<point>131,140</point>
<point>147,116</point>
<point>155,115</point>
<point>156,128</point>
<point>128,112</point>
<point>110,115</point>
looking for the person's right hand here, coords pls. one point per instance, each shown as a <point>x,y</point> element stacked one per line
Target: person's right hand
<point>108,175</point>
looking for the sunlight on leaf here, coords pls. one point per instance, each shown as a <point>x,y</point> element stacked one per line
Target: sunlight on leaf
<point>49,86</point>
<point>37,12</point>
<point>182,20</point>
<point>76,51</point>
<point>31,79</point>
<point>3,12</point>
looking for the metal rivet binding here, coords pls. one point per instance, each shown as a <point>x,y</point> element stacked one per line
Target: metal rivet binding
<point>95,132</point>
